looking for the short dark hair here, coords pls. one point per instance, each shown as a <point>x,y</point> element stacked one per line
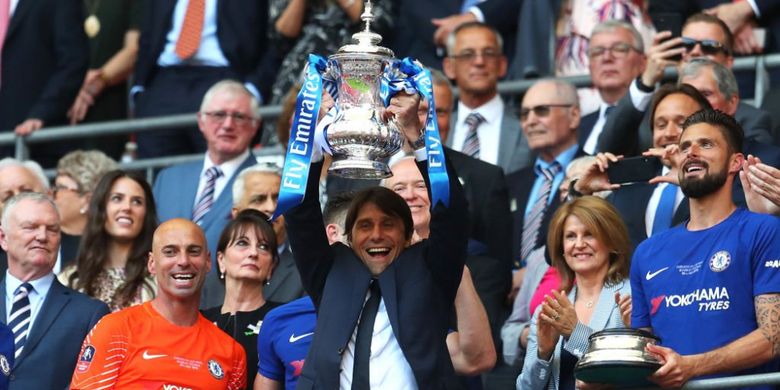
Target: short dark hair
<point>248,220</point>
<point>706,18</point>
<point>726,123</point>
<point>672,89</point>
<point>387,201</point>
<point>336,208</point>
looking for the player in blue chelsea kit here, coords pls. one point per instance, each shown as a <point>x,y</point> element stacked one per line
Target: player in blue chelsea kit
<point>709,288</point>
<point>284,341</point>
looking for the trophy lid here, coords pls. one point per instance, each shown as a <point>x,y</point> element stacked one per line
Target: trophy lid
<point>366,41</point>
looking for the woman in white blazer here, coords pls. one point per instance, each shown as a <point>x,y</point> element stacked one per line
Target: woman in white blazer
<point>589,246</point>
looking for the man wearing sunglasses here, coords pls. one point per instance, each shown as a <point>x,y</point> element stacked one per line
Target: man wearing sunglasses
<point>627,130</point>
<point>484,128</point>
<point>550,115</point>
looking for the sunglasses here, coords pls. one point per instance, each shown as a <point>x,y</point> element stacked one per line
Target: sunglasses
<point>541,110</point>
<point>708,46</point>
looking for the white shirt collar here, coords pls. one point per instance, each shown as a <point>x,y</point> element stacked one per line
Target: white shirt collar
<point>228,167</point>
<point>492,111</point>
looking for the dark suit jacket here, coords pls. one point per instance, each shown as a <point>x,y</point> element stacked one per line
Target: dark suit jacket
<point>586,127</point>
<point>631,202</point>
<point>628,131</point>
<point>45,58</point>
<point>54,341</point>
<point>418,289</point>
<point>175,189</point>
<point>242,28</point>
<point>520,184</point>
<point>285,283</point>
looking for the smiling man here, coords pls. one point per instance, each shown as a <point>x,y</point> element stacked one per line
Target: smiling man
<point>48,319</point>
<point>717,268</point>
<point>484,127</point>
<point>165,342</point>
<point>383,304</point>
<point>229,119</point>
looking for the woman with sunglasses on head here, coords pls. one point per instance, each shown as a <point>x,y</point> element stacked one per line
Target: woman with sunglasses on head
<point>111,263</point>
<point>246,257</point>
<point>78,173</point>
<point>589,246</point>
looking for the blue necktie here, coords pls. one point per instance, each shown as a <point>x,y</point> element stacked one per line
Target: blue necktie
<point>665,210</point>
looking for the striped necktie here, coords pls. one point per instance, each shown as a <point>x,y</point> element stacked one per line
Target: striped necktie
<point>19,321</point>
<point>533,221</point>
<point>206,198</point>
<point>191,29</point>
<point>471,144</point>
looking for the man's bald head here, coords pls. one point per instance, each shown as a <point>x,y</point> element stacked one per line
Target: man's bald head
<point>161,235</point>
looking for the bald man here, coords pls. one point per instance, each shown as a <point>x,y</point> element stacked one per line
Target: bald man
<point>165,341</point>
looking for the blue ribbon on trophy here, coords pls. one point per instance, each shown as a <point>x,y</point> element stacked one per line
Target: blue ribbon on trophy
<point>297,163</point>
<point>420,79</point>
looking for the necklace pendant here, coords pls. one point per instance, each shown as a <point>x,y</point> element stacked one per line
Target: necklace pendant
<point>589,304</point>
<point>92,26</point>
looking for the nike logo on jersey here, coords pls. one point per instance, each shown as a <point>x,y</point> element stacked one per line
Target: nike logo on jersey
<point>651,275</point>
<point>294,338</point>
<point>148,356</point>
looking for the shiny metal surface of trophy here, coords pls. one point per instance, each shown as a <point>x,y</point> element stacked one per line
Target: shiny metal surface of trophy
<point>360,141</point>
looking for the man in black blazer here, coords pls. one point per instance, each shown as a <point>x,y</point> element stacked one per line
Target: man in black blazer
<point>44,60</point>
<point>232,46</point>
<point>59,317</point>
<point>628,128</point>
<point>617,57</point>
<point>550,115</point>
<point>417,282</point>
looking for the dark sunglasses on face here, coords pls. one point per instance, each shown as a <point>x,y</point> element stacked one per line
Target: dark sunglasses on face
<point>708,46</point>
<point>541,110</point>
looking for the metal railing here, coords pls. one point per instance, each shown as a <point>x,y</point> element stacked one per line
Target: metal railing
<point>759,64</point>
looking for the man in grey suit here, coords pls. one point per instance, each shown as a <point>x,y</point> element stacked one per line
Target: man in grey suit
<point>627,130</point>
<point>257,187</point>
<point>484,127</point>
<point>49,320</point>
<point>229,118</point>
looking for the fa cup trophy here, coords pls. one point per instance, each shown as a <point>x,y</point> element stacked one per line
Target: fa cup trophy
<point>359,139</point>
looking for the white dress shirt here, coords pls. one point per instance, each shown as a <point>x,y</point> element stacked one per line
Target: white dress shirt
<point>228,168</point>
<point>388,368</point>
<point>40,286</point>
<point>593,138</point>
<point>488,133</point>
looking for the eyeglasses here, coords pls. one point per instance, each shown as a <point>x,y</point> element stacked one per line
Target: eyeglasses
<point>221,116</point>
<point>541,110</point>
<point>708,46</point>
<point>59,187</point>
<point>618,50</point>
<point>471,55</point>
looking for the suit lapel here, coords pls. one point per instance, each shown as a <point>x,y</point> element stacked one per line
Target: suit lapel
<point>510,132</point>
<point>387,284</point>
<point>16,19</point>
<point>54,303</point>
<point>604,307</point>
<point>3,316</point>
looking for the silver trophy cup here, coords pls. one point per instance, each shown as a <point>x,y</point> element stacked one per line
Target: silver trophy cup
<point>359,139</point>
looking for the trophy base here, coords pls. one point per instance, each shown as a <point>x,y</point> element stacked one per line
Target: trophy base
<point>360,169</point>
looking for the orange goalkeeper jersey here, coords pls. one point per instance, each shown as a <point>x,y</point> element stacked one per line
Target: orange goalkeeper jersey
<point>136,348</point>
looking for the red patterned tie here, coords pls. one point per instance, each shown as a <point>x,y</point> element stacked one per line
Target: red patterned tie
<point>191,29</point>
